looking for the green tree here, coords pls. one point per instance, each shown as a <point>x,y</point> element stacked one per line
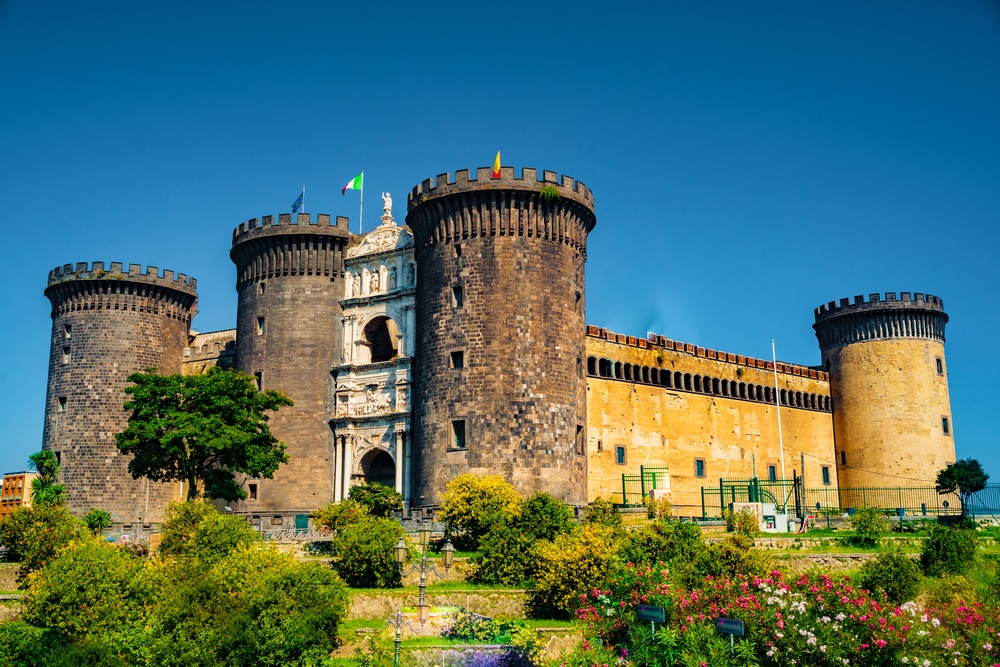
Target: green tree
<point>34,534</point>
<point>543,516</point>
<point>603,513</point>
<point>569,567</point>
<point>335,516</point>
<point>868,525</point>
<point>379,499</point>
<point>965,477</point>
<point>97,520</point>
<point>218,535</point>
<point>44,488</point>
<point>363,553</point>
<point>201,429</point>
<point>180,523</point>
<point>473,504</point>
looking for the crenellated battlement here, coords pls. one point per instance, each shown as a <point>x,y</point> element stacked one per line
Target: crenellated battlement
<point>118,271</point>
<point>301,223</point>
<point>877,302</point>
<point>880,317</point>
<point>529,180</point>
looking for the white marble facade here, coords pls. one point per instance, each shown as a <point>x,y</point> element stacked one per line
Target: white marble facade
<point>371,401</point>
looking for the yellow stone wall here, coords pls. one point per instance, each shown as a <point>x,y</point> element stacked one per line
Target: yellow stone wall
<point>889,401</point>
<point>205,350</point>
<point>665,426</point>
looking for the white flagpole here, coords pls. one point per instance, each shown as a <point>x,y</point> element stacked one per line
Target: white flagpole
<point>777,406</point>
<point>361,214</point>
<point>303,198</point>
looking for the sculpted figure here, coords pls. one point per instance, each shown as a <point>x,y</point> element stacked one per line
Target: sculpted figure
<point>392,278</point>
<point>410,275</point>
<point>373,286</point>
<point>386,203</point>
<point>357,285</point>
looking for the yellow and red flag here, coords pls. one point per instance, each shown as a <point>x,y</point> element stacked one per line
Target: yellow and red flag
<point>496,166</point>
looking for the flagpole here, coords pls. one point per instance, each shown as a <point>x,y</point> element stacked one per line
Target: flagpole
<point>361,214</point>
<point>303,198</point>
<point>777,405</point>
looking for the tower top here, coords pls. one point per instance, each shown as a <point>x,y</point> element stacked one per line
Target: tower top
<point>118,272</point>
<point>915,315</point>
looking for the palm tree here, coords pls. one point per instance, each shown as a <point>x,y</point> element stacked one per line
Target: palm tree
<point>97,520</point>
<point>44,489</point>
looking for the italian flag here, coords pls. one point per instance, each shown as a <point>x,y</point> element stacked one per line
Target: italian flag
<point>354,184</point>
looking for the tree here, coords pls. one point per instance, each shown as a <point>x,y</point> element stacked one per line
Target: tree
<point>97,520</point>
<point>966,477</point>
<point>201,429</point>
<point>379,499</point>
<point>34,534</point>
<point>472,505</point>
<point>44,489</point>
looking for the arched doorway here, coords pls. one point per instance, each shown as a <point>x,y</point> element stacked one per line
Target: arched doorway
<point>378,466</point>
<point>381,334</point>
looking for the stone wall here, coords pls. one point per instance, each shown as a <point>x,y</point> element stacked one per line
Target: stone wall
<point>206,350</point>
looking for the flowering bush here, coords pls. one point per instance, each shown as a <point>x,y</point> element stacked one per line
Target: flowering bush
<point>569,566</point>
<point>818,621</point>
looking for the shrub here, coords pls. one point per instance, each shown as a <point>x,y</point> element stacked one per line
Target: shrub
<point>92,590</point>
<point>23,645</point>
<point>180,523</point>
<point>544,516</point>
<point>868,525</point>
<point>670,542</point>
<point>34,534</point>
<point>472,505</point>
<point>603,513</point>
<point>735,556</point>
<point>948,551</point>
<point>363,553</point>
<point>97,520</point>
<point>335,516</point>
<point>218,535</point>
<point>568,567</point>
<point>745,523</point>
<point>507,556</point>
<point>379,499</point>
<point>658,509</point>
<point>893,573</point>
<point>950,589</point>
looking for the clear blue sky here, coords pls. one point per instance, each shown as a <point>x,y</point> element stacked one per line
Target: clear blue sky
<point>749,164</point>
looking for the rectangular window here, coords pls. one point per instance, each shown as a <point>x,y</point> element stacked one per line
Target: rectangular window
<point>620,455</point>
<point>261,288</point>
<point>258,378</point>
<point>600,445</point>
<point>945,427</point>
<point>457,296</point>
<point>772,473</point>
<point>65,355</point>
<point>260,326</point>
<point>458,359</point>
<point>937,362</point>
<point>826,475</point>
<point>579,367</point>
<point>580,445</point>
<point>458,250</point>
<point>251,492</point>
<point>68,330</point>
<point>699,467</point>
<point>458,434</point>
<point>59,458</point>
<point>62,404</point>
<point>843,458</point>
<point>276,521</point>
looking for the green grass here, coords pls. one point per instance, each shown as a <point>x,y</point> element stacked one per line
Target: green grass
<point>437,587</point>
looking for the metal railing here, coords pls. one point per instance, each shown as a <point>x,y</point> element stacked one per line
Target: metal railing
<point>635,488</point>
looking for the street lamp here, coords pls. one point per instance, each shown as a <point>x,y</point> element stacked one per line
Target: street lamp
<point>447,555</point>
<point>397,620</point>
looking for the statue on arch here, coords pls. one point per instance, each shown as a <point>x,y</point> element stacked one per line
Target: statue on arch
<point>387,204</point>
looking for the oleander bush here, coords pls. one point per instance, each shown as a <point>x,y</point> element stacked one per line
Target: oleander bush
<point>948,551</point>
<point>893,573</point>
<point>603,513</point>
<point>180,522</point>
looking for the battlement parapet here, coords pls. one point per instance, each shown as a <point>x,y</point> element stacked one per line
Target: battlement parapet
<point>654,341</point>
<point>117,272</point>
<point>446,184</point>
<point>878,302</point>
<point>880,317</point>
<point>301,223</point>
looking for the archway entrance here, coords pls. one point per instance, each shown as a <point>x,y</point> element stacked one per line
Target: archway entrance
<point>380,334</point>
<point>378,466</point>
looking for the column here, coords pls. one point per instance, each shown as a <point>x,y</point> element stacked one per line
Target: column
<point>399,463</point>
<point>336,465</point>
<point>411,332</point>
<point>346,477</point>
<point>407,468</point>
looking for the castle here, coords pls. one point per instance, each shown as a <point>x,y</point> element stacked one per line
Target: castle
<point>457,343</point>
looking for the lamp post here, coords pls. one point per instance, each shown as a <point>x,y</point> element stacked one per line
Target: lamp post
<point>397,620</point>
<point>447,555</point>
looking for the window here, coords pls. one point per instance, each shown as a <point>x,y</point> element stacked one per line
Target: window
<point>457,296</point>
<point>68,331</point>
<point>937,361</point>
<point>579,367</point>
<point>826,475</point>
<point>62,404</point>
<point>699,467</point>
<point>945,427</point>
<point>843,458</point>
<point>251,492</point>
<point>772,473</point>
<point>580,444</point>
<point>458,250</point>
<point>620,455</point>
<point>458,359</point>
<point>600,445</point>
<point>458,434</point>
<point>258,378</point>
<point>261,288</point>
<point>65,355</point>
<point>58,458</point>
<point>260,326</point>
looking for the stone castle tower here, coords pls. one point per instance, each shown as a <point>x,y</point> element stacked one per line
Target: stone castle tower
<point>889,385</point>
<point>499,380</point>
<point>107,324</point>
<point>289,278</point>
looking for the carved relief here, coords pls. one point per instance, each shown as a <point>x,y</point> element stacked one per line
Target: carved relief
<point>384,238</point>
<point>392,278</point>
<point>374,285</point>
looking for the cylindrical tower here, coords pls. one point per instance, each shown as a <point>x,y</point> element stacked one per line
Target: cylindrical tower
<point>499,385</point>
<point>888,380</point>
<point>107,324</point>
<point>288,335</point>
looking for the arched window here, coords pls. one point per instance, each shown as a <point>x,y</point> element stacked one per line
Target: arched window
<point>759,392</point>
<point>812,401</point>
<point>784,397</point>
<point>645,374</point>
<point>628,371</point>
<point>798,399</point>
<point>654,376</point>
<point>767,395</point>
<point>618,370</point>
<point>687,381</point>
<point>725,387</point>
<point>380,336</point>
<point>697,383</point>
<point>743,390</point>
<point>826,403</point>
<point>591,365</point>
<point>678,380</point>
<point>715,385</point>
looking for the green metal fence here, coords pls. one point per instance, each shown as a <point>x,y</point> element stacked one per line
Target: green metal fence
<point>825,500</point>
<point>635,488</point>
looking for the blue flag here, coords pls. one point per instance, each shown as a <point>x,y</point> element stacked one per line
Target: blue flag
<point>297,204</point>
